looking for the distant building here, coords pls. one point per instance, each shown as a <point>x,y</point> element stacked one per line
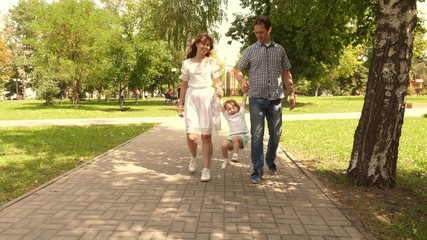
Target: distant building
<point>416,85</point>
<point>232,86</point>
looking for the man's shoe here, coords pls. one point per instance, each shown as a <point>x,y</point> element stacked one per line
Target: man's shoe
<point>256,178</point>
<point>206,175</point>
<point>273,171</point>
<point>193,165</point>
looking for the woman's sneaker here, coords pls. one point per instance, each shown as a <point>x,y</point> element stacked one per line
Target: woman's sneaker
<point>193,165</point>
<point>206,175</point>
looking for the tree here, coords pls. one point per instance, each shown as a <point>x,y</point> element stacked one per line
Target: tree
<point>376,140</point>
<point>349,77</point>
<point>19,32</point>
<point>141,57</point>
<point>314,33</point>
<point>177,21</point>
<point>6,63</point>
<point>72,42</point>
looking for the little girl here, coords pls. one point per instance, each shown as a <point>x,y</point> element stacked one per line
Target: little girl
<point>235,116</point>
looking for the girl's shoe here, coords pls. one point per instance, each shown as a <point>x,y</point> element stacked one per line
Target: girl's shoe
<point>235,157</point>
<point>224,164</point>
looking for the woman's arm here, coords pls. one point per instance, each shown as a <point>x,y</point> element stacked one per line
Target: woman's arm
<point>184,87</point>
<point>219,87</point>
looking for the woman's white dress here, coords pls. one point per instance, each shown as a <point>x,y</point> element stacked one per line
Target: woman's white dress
<point>201,105</point>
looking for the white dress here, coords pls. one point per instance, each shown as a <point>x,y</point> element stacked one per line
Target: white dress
<point>201,106</point>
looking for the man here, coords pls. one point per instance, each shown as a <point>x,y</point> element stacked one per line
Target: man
<point>269,73</point>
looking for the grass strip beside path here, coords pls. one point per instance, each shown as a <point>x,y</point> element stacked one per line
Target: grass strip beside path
<point>324,147</point>
<point>31,156</point>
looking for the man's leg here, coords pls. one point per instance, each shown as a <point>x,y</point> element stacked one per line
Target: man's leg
<point>274,121</point>
<point>257,115</point>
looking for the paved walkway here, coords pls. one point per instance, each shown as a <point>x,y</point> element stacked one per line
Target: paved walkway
<point>143,190</point>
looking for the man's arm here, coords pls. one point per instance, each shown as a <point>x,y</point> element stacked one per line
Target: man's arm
<point>238,75</point>
<point>288,83</point>
<point>244,99</point>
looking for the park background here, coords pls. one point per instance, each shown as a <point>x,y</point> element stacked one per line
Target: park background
<point>324,145</point>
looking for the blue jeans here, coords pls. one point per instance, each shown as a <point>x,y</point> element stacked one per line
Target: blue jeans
<point>261,109</point>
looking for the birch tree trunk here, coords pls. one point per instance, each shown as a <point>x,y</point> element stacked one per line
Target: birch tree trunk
<point>376,140</point>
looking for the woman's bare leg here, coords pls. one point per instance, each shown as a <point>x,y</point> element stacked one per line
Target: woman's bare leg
<point>192,144</point>
<point>207,149</point>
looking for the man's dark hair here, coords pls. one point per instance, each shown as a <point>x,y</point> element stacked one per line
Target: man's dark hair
<point>263,20</point>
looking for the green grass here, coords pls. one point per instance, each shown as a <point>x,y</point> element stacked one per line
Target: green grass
<point>325,146</point>
<point>36,109</point>
<point>156,107</point>
<point>343,104</point>
<point>29,156</point>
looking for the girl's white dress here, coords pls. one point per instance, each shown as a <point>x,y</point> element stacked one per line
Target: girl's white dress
<point>201,105</point>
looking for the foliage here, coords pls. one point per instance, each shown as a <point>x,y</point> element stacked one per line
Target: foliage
<point>47,91</point>
<point>350,74</point>
<point>316,35</point>
<point>6,63</point>
<point>70,41</point>
<point>178,21</point>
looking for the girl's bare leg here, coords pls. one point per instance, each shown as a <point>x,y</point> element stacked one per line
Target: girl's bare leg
<point>225,147</point>
<point>237,142</point>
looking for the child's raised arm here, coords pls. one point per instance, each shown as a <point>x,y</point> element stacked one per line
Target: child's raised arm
<point>245,96</point>
<point>221,104</point>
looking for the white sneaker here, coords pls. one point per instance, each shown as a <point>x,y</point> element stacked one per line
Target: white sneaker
<point>193,165</point>
<point>235,157</point>
<point>206,175</point>
<point>224,164</point>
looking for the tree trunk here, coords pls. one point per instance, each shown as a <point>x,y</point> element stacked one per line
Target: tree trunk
<point>76,97</point>
<point>376,140</point>
<point>24,83</point>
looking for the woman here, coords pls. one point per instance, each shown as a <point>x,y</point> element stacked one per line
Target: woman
<point>198,73</point>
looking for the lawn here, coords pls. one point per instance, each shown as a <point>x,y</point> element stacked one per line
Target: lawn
<point>29,156</point>
<point>36,109</point>
<point>324,147</point>
<point>156,107</point>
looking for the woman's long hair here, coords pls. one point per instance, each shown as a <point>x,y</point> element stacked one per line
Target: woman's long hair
<point>201,38</point>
